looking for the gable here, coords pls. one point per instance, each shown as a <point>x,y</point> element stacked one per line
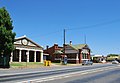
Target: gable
<point>75,48</point>
<point>86,51</point>
<point>18,42</point>
<point>86,47</point>
<point>24,41</point>
<point>69,49</point>
<point>31,44</point>
<point>80,46</point>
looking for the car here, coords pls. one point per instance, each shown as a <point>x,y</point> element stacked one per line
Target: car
<point>87,62</point>
<point>115,62</point>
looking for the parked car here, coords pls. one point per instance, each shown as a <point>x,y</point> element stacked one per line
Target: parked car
<point>115,62</point>
<point>87,62</point>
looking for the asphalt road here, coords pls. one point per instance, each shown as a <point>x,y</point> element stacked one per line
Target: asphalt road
<point>109,76</point>
<point>28,75</point>
<point>44,69</point>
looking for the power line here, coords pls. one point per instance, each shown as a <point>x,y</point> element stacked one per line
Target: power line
<point>84,27</point>
<point>96,25</point>
<point>50,33</point>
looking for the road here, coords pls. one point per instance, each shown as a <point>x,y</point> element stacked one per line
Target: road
<point>109,76</point>
<point>54,73</point>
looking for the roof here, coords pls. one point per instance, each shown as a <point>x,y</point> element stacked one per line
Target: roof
<point>24,37</point>
<point>58,52</point>
<point>78,46</point>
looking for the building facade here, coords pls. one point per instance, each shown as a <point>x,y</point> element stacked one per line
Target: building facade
<point>77,53</point>
<point>26,51</point>
<point>74,53</point>
<point>54,51</point>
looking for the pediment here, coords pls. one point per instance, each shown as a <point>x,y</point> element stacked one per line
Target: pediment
<point>24,41</point>
<point>86,47</point>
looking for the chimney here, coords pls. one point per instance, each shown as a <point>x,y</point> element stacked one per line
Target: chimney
<point>47,47</point>
<point>56,45</point>
<point>70,42</point>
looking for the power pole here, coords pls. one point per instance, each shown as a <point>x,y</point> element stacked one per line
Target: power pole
<point>85,39</point>
<point>63,55</point>
<point>64,42</point>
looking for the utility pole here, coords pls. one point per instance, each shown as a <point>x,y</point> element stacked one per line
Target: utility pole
<point>85,39</point>
<point>64,42</point>
<point>64,57</point>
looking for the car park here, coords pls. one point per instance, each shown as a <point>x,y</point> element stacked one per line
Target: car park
<point>87,62</point>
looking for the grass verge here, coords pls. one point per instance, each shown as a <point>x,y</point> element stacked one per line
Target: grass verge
<point>25,64</point>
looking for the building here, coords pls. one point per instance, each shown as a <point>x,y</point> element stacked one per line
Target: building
<point>54,51</point>
<point>75,53</point>
<point>26,51</point>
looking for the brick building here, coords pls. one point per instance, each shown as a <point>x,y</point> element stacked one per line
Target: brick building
<point>75,53</point>
<point>54,52</point>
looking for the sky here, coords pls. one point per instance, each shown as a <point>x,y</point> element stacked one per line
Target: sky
<point>43,21</point>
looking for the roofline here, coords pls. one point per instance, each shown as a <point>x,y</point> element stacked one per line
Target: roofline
<point>76,44</point>
<point>20,37</point>
<point>27,39</point>
<point>71,47</point>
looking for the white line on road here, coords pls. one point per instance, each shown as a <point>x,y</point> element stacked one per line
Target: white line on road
<point>69,75</point>
<point>38,71</point>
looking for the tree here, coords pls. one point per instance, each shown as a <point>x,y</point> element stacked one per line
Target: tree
<point>6,37</point>
<point>112,55</point>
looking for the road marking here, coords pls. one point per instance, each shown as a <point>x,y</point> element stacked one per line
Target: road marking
<point>44,70</point>
<point>69,75</point>
<point>118,65</point>
<point>58,69</point>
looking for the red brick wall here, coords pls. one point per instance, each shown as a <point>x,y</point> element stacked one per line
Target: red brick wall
<point>80,56</point>
<point>51,51</point>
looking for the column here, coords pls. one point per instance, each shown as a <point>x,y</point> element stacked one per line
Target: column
<point>19,55</point>
<point>34,56</point>
<point>11,58</point>
<point>77,59</point>
<point>41,57</point>
<point>27,53</point>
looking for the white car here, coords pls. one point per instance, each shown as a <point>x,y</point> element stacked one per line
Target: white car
<point>115,62</point>
<point>87,62</point>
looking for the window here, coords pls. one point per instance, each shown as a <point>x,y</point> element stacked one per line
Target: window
<point>84,56</point>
